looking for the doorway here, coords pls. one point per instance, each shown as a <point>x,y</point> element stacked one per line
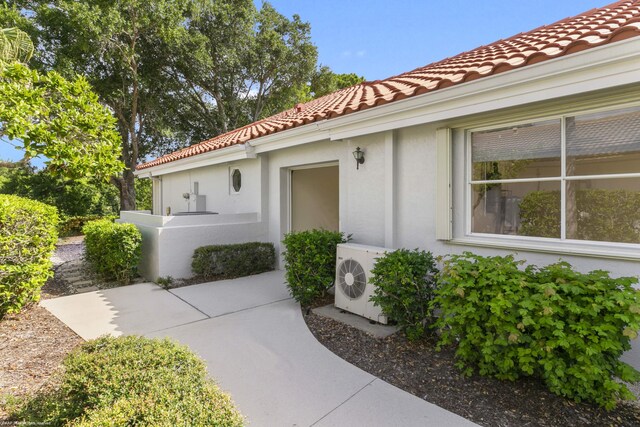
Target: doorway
<point>315,198</point>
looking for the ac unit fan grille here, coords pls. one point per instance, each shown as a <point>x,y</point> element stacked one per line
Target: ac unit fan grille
<point>352,278</point>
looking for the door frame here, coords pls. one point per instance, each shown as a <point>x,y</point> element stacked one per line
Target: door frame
<point>289,185</point>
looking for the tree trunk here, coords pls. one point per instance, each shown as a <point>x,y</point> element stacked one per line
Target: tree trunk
<point>126,188</point>
<point>126,183</point>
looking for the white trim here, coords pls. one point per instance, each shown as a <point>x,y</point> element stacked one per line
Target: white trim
<point>231,170</point>
<point>567,111</point>
<point>223,155</point>
<point>563,175</point>
<point>289,138</point>
<point>515,180</point>
<point>289,198</point>
<point>468,174</point>
<point>603,176</point>
<point>443,206</point>
<point>314,165</point>
<point>620,251</point>
<point>390,194</point>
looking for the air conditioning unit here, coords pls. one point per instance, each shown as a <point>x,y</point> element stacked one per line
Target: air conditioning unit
<point>353,290</point>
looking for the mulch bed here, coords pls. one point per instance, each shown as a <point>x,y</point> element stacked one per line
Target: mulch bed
<point>418,369</point>
<point>32,345</point>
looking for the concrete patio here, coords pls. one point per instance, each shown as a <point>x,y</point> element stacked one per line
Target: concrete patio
<point>257,347</point>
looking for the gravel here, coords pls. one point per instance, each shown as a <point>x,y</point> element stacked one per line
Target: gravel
<point>68,249</point>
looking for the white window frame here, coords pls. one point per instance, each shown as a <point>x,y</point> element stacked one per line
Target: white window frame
<point>560,245</point>
<point>232,169</point>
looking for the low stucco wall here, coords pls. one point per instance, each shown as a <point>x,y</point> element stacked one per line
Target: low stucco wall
<point>168,243</point>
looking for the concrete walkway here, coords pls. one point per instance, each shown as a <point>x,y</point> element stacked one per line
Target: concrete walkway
<point>258,349</point>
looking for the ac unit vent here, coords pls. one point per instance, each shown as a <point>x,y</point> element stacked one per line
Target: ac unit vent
<point>352,278</point>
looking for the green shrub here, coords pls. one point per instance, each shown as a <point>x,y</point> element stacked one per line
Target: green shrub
<point>72,226</point>
<point>404,287</point>
<point>72,197</point>
<point>113,249</point>
<point>310,263</point>
<point>27,241</point>
<point>585,322</point>
<point>132,381</point>
<point>165,282</point>
<point>235,260</point>
<point>567,328</point>
<point>144,194</point>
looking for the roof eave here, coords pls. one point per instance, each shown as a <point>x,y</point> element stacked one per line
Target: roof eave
<point>223,155</point>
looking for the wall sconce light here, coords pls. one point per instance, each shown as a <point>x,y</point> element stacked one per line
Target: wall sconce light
<point>186,196</point>
<point>359,156</point>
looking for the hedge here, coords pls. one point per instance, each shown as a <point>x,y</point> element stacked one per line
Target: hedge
<point>566,328</point>
<point>27,240</point>
<point>72,226</point>
<point>310,263</point>
<point>233,260</point>
<point>113,249</point>
<point>130,381</point>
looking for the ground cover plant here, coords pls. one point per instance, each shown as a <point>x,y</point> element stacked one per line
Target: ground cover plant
<point>310,263</point>
<point>131,381</point>
<point>564,327</point>
<point>27,240</point>
<point>404,283</point>
<point>113,249</point>
<point>233,260</point>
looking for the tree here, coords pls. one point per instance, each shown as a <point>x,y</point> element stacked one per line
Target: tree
<point>122,47</point>
<point>325,81</point>
<point>240,65</point>
<point>177,72</point>
<point>282,60</point>
<point>51,116</point>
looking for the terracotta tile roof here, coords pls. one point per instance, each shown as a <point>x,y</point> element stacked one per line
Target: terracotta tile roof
<point>618,21</point>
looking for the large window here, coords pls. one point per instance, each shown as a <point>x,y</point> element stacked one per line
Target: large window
<point>570,178</point>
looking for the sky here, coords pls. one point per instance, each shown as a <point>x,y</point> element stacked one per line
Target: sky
<point>377,39</point>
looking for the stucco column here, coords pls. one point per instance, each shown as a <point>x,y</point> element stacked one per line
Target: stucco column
<point>390,193</point>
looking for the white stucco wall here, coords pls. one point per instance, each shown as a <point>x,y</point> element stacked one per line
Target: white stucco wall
<point>214,184</point>
<point>168,243</point>
<point>415,178</point>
